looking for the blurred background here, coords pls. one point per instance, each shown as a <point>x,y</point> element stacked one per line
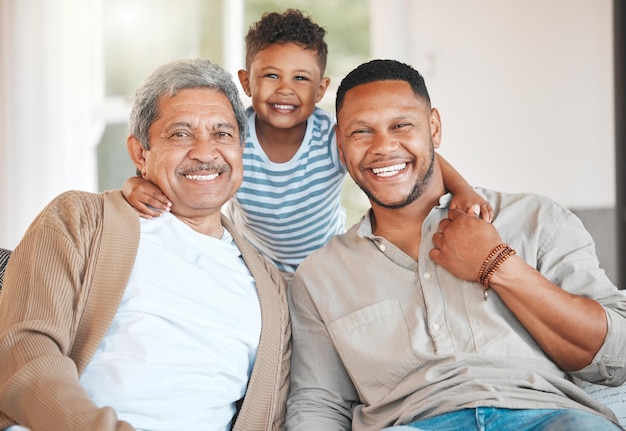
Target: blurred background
<point>525,89</point>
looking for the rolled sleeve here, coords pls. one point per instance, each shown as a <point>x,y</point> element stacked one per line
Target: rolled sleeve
<point>609,365</point>
<point>566,256</point>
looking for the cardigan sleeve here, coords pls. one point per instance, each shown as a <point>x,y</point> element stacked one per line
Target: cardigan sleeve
<point>40,306</point>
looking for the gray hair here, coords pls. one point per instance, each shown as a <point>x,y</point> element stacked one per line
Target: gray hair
<point>177,75</point>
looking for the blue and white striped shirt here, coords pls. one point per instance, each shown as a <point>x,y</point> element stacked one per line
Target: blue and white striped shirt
<point>287,210</point>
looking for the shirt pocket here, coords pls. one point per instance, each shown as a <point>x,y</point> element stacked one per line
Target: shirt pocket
<point>374,344</point>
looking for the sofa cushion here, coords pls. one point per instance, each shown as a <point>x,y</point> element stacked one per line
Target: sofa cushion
<point>4,258</point>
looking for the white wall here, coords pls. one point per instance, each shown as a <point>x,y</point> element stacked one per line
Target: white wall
<point>50,91</point>
<point>524,87</point>
<point>525,90</point>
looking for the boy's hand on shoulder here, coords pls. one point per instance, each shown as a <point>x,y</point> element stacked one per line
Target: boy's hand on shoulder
<point>471,202</point>
<point>144,196</point>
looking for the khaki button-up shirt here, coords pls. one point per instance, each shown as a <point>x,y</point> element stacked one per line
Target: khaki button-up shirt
<point>381,339</point>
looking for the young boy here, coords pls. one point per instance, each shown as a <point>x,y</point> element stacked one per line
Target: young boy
<point>289,203</point>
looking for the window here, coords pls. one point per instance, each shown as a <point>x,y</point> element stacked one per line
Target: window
<point>139,35</point>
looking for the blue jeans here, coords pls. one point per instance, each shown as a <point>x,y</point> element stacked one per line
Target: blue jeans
<point>496,419</point>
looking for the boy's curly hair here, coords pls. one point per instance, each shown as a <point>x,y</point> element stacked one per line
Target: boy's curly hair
<point>290,26</point>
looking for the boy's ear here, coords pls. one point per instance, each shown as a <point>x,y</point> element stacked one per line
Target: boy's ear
<point>244,80</point>
<point>321,90</point>
<point>136,151</point>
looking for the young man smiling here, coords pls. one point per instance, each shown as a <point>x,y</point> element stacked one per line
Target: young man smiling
<point>426,317</point>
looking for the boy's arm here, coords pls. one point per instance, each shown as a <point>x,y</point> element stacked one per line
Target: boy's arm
<point>463,195</point>
<point>144,196</point>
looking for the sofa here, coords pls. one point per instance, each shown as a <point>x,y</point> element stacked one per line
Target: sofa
<point>4,258</point>
<point>613,397</point>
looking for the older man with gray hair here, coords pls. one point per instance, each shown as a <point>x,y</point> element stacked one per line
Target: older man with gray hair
<point>112,322</point>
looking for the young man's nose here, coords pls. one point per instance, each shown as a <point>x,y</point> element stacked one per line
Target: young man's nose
<point>382,142</point>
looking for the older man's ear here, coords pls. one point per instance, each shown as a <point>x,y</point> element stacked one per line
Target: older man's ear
<point>136,151</point>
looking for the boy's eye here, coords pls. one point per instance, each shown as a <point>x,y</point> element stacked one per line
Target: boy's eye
<point>271,75</point>
<point>301,78</point>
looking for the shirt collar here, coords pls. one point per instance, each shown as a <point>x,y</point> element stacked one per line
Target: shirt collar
<point>365,226</point>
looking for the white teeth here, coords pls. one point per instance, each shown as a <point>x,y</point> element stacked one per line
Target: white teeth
<point>388,171</point>
<point>283,106</point>
<point>202,177</point>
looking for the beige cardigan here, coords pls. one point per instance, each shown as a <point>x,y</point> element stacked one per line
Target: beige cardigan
<point>62,287</point>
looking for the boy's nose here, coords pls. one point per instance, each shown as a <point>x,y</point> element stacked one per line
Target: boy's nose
<point>284,89</point>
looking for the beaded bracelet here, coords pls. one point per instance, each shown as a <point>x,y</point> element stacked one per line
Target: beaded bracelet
<point>487,260</point>
<point>499,254</point>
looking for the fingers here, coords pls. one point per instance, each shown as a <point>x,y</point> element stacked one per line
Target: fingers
<point>147,212</point>
<point>486,212</point>
<point>438,239</point>
<point>435,255</point>
<point>474,210</point>
<point>156,199</point>
<point>453,214</point>
<point>150,206</point>
<point>483,211</point>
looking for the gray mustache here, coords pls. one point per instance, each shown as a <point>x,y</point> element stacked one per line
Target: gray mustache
<point>211,167</point>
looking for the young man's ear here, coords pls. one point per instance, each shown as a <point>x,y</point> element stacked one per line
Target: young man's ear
<point>244,80</point>
<point>435,127</point>
<point>321,90</point>
<point>137,154</point>
<point>339,145</point>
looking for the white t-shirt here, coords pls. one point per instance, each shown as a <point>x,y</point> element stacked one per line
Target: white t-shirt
<point>180,350</point>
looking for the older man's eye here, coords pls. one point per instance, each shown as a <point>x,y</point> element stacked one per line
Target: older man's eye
<point>359,131</point>
<point>225,137</point>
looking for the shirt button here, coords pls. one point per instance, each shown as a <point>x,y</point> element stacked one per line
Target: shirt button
<point>435,326</point>
<point>382,247</point>
<point>427,275</point>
